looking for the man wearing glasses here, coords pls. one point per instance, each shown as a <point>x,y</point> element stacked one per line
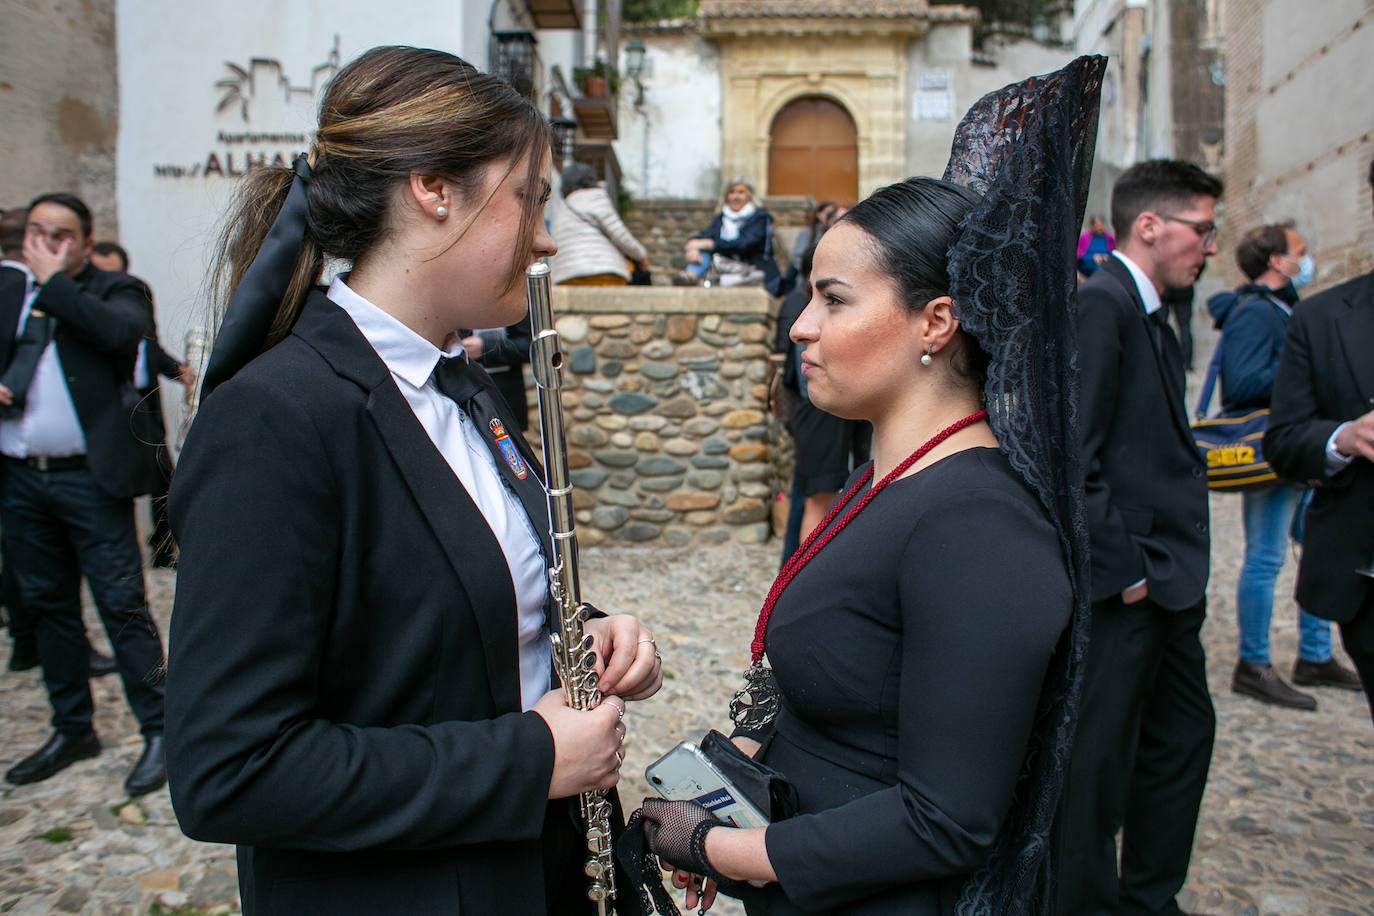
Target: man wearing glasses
<point>1321,429</point>
<point>1145,728</point>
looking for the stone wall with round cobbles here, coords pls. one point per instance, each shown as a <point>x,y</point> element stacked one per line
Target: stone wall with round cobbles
<point>665,402</point>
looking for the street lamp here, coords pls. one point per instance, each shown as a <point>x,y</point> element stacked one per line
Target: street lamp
<point>634,66</point>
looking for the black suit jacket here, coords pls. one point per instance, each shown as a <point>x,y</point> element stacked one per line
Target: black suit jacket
<point>1326,377</point>
<point>503,359</point>
<point>101,316</point>
<point>343,688</point>
<point>149,425</point>
<point>1144,482</point>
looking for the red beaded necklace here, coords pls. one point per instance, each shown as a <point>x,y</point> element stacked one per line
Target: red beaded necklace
<point>815,541</point>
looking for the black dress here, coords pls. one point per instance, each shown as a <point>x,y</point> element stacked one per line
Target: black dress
<point>910,654</point>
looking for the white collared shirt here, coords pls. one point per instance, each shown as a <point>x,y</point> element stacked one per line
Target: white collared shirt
<point>1148,294</point>
<point>411,360</point>
<point>49,425</point>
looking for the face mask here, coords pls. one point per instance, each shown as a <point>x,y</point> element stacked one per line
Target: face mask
<point>1306,269</point>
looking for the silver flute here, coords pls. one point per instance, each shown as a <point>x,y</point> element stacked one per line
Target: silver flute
<point>197,350</point>
<point>572,648</point>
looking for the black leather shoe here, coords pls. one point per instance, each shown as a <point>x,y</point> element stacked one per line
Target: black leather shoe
<point>1264,684</point>
<point>1329,673</point>
<point>60,752</point>
<point>24,655</point>
<point>101,664</point>
<point>151,770</point>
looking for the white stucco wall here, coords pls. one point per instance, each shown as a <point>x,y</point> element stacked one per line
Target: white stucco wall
<point>948,49</point>
<point>171,58</point>
<point>680,119</point>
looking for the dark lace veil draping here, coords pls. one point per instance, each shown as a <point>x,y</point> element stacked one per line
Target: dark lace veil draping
<point>1028,149</point>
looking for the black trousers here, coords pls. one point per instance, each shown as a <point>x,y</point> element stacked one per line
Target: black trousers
<point>1139,763</point>
<point>20,624</point>
<point>62,526</point>
<point>1357,635</point>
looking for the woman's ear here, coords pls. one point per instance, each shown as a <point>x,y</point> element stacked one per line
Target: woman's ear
<point>431,194</point>
<point>938,324</point>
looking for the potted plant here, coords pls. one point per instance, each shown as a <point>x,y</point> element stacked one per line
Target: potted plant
<point>597,80</point>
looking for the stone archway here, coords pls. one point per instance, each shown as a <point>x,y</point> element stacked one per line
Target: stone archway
<point>813,150</point>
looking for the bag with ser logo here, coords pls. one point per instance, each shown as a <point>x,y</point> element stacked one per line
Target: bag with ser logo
<point>1230,442</point>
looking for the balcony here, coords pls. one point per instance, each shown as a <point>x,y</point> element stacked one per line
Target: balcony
<point>596,104</point>
<point>556,14</point>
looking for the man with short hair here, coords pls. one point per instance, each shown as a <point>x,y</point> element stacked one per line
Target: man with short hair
<point>14,275</point>
<point>1139,762</point>
<point>72,466</point>
<point>1253,321</point>
<point>1321,429</point>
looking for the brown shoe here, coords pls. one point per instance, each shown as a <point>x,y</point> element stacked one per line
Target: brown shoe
<point>1329,673</point>
<point>1264,684</point>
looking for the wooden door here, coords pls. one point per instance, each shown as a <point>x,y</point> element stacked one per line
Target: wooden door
<point>813,149</point>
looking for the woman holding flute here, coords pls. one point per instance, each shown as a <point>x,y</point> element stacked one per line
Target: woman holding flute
<point>360,691</point>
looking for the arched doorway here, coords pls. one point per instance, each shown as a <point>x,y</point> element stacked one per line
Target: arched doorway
<point>813,149</point>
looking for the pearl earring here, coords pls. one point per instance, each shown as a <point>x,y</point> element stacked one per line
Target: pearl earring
<point>926,358</point>
<point>440,211</point>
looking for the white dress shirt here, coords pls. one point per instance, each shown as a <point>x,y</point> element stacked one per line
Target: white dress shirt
<point>1148,294</point>
<point>411,360</point>
<point>49,425</point>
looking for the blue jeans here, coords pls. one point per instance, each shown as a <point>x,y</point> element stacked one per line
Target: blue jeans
<point>1268,516</point>
<point>63,527</point>
<point>699,270</point>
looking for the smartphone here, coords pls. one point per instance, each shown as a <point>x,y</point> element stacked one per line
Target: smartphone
<point>686,773</point>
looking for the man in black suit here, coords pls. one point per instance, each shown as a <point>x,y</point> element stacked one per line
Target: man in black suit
<point>1321,429</point>
<point>72,465</point>
<point>16,277</point>
<point>1145,729</point>
<point>152,361</point>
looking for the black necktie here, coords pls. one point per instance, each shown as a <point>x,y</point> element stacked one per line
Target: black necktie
<point>28,347</point>
<point>1170,352</point>
<point>472,390</point>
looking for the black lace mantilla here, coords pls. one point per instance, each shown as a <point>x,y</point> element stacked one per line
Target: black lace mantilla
<point>1028,148</point>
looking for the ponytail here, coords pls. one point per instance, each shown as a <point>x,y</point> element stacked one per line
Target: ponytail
<point>255,208</point>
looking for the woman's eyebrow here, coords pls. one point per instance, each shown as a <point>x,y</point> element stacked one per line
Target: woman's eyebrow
<point>827,282</point>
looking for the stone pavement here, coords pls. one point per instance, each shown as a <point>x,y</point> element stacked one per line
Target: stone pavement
<point>1287,823</point>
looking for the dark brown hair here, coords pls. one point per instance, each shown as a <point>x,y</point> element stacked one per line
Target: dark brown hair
<point>912,224</point>
<point>1259,245</point>
<point>1157,183</point>
<point>391,113</point>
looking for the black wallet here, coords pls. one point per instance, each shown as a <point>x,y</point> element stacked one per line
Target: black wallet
<point>764,787</point>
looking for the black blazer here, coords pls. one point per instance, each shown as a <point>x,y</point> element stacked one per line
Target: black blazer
<point>1144,481</point>
<point>343,688</point>
<point>101,316</point>
<point>149,424</point>
<point>1326,377</point>
<point>503,360</point>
